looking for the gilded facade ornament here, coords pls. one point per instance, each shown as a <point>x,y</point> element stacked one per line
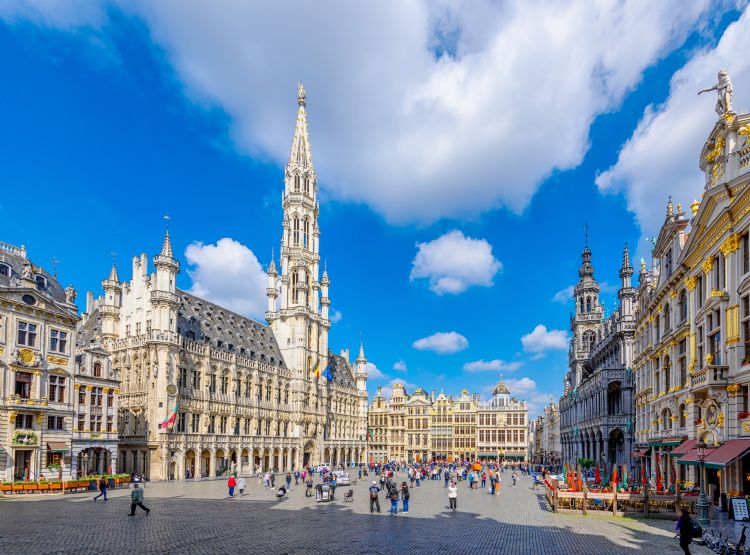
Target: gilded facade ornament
<point>89,388</point>
<point>709,359</point>
<point>733,388</point>
<point>691,282</point>
<point>673,294</point>
<point>708,264</point>
<point>730,244</point>
<point>57,360</point>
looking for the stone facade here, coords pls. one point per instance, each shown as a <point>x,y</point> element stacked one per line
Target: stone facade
<point>37,367</point>
<point>596,410</point>
<point>692,367</point>
<point>420,426</point>
<point>544,437</point>
<point>245,395</point>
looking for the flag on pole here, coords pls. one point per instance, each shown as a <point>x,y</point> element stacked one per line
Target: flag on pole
<point>171,418</point>
<point>327,374</point>
<point>316,370</point>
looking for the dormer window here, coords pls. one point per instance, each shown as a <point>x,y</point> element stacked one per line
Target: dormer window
<point>41,282</point>
<point>4,270</point>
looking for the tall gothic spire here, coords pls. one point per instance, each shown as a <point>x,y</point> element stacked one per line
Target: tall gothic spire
<point>301,156</point>
<point>166,247</point>
<point>113,274</point>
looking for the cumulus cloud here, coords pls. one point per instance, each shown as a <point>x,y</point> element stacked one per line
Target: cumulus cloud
<point>335,316</point>
<point>400,366</point>
<point>661,156</point>
<point>454,262</point>
<point>228,274</point>
<point>497,365</point>
<point>541,340</point>
<point>525,389</point>
<point>419,109</point>
<point>373,373</point>
<point>387,390</point>
<point>442,343</point>
<point>563,296</point>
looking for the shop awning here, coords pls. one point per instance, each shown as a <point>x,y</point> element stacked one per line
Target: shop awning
<point>640,452</point>
<point>57,446</point>
<point>685,447</point>
<point>493,455</point>
<point>718,457</point>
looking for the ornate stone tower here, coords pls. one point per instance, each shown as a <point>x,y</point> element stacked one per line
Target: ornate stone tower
<point>585,322</point>
<point>627,293</point>
<point>110,307</point>
<point>300,321</point>
<point>361,375</point>
<point>164,301</point>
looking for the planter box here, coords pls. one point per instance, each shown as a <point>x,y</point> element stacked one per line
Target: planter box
<point>56,486</point>
<point>30,487</point>
<point>43,487</point>
<point>17,487</point>
<point>5,488</point>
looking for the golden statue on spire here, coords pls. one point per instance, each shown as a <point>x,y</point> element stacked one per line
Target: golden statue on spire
<point>301,94</point>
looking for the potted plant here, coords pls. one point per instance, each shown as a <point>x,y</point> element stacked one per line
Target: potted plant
<point>30,486</point>
<point>17,486</point>
<point>55,486</point>
<point>43,486</point>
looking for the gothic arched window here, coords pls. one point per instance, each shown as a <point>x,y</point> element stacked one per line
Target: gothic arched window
<point>588,340</point>
<point>307,185</point>
<point>667,318</point>
<point>295,234</point>
<point>588,304</point>
<point>296,184</point>
<point>306,234</point>
<point>682,304</point>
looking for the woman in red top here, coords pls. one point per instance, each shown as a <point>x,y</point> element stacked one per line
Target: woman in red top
<point>232,482</point>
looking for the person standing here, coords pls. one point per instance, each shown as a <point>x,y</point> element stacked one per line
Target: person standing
<point>684,527</point>
<point>232,483</point>
<point>393,496</point>
<point>241,485</point>
<point>418,476</point>
<point>374,500</point>
<point>273,480</point>
<point>484,479</point>
<point>136,500</point>
<point>514,478</point>
<point>447,477</point>
<point>296,477</point>
<point>405,496</point>
<point>102,488</point>
<point>288,481</point>
<point>453,495</point>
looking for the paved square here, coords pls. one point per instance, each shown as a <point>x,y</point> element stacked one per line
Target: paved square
<point>198,517</point>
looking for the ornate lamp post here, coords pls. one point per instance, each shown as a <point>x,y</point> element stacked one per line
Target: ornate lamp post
<point>702,501</point>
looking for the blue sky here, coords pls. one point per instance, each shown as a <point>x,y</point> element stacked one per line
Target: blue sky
<point>459,153</point>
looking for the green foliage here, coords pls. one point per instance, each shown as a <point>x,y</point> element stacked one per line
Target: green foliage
<point>585,463</point>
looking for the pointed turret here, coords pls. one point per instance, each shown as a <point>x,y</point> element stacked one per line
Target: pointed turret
<point>627,293</point>
<point>166,246</point>
<point>164,300</point>
<point>301,155</point>
<point>361,375</point>
<point>361,357</point>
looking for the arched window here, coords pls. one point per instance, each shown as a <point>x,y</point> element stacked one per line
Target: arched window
<point>296,184</point>
<point>4,270</point>
<point>667,318</point>
<point>306,235</point>
<point>581,305</point>
<point>588,304</point>
<point>307,185</point>
<point>41,281</point>
<point>588,340</point>
<point>682,414</point>
<point>97,369</point>
<point>667,372</point>
<point>295,234</point>
<point>682,305</point>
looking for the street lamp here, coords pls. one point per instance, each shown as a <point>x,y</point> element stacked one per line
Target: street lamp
<point>702,501</point>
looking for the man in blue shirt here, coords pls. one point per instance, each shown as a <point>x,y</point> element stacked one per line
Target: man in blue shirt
<point>374,501</point>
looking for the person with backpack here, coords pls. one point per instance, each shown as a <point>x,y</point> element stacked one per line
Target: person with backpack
<point>102,488</point>
<point>405,496</point>
<point>374,501</point>
<point>393,496</point>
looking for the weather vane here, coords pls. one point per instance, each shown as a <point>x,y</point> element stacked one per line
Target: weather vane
<point>55,262</point>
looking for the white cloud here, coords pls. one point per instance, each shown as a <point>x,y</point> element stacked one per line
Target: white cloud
<point>564,295</point>
<point>228,274</point>
<point>387,390</point>
<point>542,339</point>
<point>335,316</point>
<point>373,373</point>
<point>495,365</point>
<point>454,262</point>
<point>661,156</point>
<point>442,343</point>
<point>442,91</point>
<point>525,389</point>
<point>400,366</point>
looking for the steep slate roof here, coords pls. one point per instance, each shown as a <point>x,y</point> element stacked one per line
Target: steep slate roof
<point>89,330</point>
<point>198,319</point>
<point>53,288</point>
<point>340,370</point>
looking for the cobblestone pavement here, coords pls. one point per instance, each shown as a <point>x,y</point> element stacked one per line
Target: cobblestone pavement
<point>198,517</point>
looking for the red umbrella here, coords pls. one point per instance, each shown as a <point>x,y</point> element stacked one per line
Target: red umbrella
<point>597,475</point>
<point>659,485</point>
<point>643,473</point>
<point>580,483</point>
<point>674,477</point>
<point>614,474</point>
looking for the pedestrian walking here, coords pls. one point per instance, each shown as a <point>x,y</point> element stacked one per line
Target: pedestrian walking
<point>374,501</point>
<point>684,527</point>
<point>453,495</point>
<point>102,489</point>
<point>447,477</point>
<point>405,496</point>
<point>484,480</point>
<point>419,475</point>
<point>296,477</point>
<point>288,481</point>
<point>231,483</point>
<point>241,485</point>
<point>273,480</point>
<point>136,500</point>
<point>514,478</point>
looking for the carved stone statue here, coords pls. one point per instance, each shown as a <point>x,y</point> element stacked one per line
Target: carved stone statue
<point>26,270</point>
<point>724,90</point>
<point>70,294</point>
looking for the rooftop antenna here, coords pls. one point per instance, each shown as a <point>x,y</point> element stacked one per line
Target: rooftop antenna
<point>586,234</point>
<point>55,262</point>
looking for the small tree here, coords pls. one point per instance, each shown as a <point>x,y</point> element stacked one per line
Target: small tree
<point>585,463</point>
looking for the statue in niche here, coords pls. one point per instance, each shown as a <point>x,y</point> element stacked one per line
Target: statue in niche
<point>724,90</point>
